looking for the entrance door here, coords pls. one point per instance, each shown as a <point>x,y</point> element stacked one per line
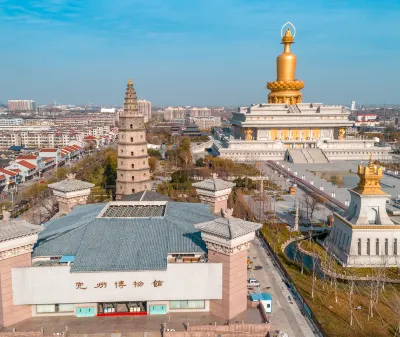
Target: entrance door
<point>84,312</point>
<point>158,309</point>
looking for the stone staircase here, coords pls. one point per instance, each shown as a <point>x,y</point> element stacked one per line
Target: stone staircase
<point>307,156</point>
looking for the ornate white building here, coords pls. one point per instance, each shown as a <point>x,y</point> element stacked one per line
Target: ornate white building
<point>286,128</point>
<point>365,236</point>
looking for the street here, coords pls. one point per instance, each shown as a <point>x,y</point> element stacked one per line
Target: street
<point>286,315</point>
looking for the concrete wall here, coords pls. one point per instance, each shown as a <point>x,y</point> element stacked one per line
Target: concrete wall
<point>51,285</point>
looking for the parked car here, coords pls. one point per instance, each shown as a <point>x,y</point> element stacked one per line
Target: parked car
<point>252,282</point>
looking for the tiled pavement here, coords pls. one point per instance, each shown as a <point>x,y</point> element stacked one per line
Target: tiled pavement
<point>150,324</point>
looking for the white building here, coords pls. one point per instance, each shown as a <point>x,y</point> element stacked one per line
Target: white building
<point>145,109</point>
<point>21,105</point>
<point>11,121</point>
<point>365,236</point>
<point>353,105</point>
<point>107,110</point>
<point>206,123</point>
<point>199,112</point>
<point>171,113</point>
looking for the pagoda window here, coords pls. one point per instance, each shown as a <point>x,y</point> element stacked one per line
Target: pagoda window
<point>133,178</point>
<point>132,139</point>
<point>359,247</point>
<point>377,247</point>
<point>395,247</point>
<point>122,175</point>
<point>133,190</point>
<point>131,126</point>
<point>386,247</point>
<point>132,153</point>
<point>368,247</point>
<point>132,165</point>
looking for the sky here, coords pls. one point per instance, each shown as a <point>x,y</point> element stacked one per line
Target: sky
<point>196,52</point>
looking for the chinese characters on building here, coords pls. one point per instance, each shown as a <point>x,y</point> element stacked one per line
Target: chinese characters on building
<point>118,284</point>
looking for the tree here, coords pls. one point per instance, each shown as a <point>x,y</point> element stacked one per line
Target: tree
<point>313,202</point>
<point>153,163</point>
<point>110,168</point>
<point>200,162</point>
<point>154,153</point>
<point>61,173</point>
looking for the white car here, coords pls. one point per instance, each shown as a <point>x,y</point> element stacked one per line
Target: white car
<point>252,282</point>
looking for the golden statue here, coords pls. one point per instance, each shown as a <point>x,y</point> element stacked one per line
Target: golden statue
<point>342,132</point>
<point>249,134</point>
<point>370,177</point>
<point>286,88</point>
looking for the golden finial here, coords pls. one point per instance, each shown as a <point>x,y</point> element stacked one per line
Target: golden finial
<point>129,82</point>
<point>370,177</point>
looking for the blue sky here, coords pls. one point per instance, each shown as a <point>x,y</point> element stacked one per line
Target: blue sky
<point>196,52</point>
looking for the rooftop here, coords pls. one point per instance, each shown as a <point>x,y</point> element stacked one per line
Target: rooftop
<point>138,209</point>
<point>214,184</point>
<point>16,229</point>
<point>71,184</point>
<point>228,227</point>
<point>124,243</point>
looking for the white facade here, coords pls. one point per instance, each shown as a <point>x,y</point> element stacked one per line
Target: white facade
<point>107,110</point>
<point>353,105</point>
<point>171,113</point>
<point>199,112</point>
<point>11,121</point>
<point>21,105</point>
<point>266,131</point>
<point>206,123</point>
<point>181,281</point>
<point>144,109</point>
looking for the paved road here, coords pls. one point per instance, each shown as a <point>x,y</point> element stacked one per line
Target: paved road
<point>286,315</point>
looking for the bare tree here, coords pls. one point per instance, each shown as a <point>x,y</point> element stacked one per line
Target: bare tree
<point>313,202</point>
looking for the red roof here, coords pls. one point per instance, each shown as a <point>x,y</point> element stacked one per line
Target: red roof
<point>27,157</point>
<point>48,150</point>
<point>16,170</point>
<point>8,172</point>
<point>89,137</point>
<point>75,147</point>
<point>48,160</point>
<point>26,164</point>
<point>2,177</point>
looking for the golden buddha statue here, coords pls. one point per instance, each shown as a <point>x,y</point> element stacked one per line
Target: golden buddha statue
<point>249,134</point>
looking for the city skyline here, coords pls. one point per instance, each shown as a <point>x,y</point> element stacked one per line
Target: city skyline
<point>197,53</point>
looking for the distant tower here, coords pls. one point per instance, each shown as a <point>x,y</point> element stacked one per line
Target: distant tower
<point>133,173</point>
<point>353,105</point>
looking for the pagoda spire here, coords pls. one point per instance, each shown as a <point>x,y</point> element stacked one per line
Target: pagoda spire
<point>130,104</point>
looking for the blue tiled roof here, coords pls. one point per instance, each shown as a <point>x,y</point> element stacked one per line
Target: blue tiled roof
<point>111,244</point>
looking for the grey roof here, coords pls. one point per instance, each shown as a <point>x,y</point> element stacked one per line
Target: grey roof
<point>69,185</point>
<point>214,184</point>
<point>122,244</point>
<point>16,229</point>
<point>146,196</point>
<point>228,228</point>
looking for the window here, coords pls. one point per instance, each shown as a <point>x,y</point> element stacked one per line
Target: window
<point>133,165</point>
<point>122,151</point>
<point>122,162</point>
<point>187,304</point>
<point>131,126</point>
<point>359,246</point>
<point>133,178</point>
<point>142,150</point>
<point>51,308</point>
<point>120,187</point>
<point>368,247</point>
<point>122,175</point>
<point>132,153</point>
<point>132,139</point>
<point>144,162</point>
<point>395,247</point>
<point>133,190</point>
<point>386,247</point>
<point>377,247</point>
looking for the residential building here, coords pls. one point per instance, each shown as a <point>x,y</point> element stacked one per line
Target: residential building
<point>145,109</point>
<point>199,112</point>
<point>205,123</point>
<point>11,121</point>
<point>21,105</point>
<point>171,114</point>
